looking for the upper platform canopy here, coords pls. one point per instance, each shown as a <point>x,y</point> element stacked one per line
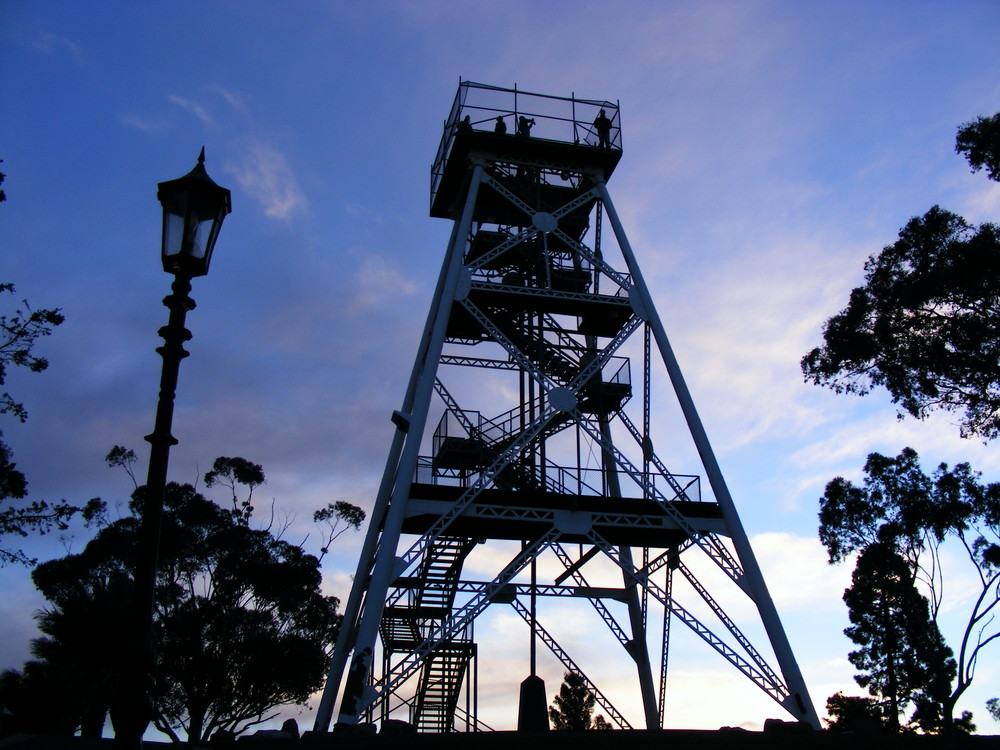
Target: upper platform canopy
<point>523,127</point>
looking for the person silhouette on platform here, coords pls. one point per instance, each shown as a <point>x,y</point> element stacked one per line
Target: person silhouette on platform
<point>465,126</point>
<point>501,127</point>
<point>603,127</point>
<point>524,125</point>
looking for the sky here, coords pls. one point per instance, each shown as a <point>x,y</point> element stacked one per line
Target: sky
<point>769,149</point>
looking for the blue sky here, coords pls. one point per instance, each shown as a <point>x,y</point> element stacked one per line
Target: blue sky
<point>769,148</point>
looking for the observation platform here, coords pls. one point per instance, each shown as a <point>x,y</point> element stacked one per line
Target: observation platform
<point>520,514</point>
<point>596,314</point>
<point>552,132</point>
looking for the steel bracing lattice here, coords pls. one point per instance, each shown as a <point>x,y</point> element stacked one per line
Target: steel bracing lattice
<point>521,424</point>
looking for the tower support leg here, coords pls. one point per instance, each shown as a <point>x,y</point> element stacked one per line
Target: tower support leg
<point>754,578</point>
<point>384,570</point>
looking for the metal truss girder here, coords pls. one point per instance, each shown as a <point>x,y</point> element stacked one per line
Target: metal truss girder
<point>467,497</point>
<point>490,364</point>
<point>656,563</point>
<point>527,365</point>
<point>710,545</point>
<point>729,624</point>
<point>592,194</point>
<point>597,261</point>
<point>452,405</point>
<point>777,691</point>
<point>799,703</point>
<point>661,560</point>
<point>523,236</point>
<point>621,519</point>
<point>605,614</point>
<point>570,665</point>
<point>459,619</point>
<point>665,558</point>
<point>564,340</point>
<point>570,206</point>
<point>539,589</point>
<point>549,294</point>
<point>513,513</point>
<point>668,591</point>
<point>715,548</point>
<point>509,195</point>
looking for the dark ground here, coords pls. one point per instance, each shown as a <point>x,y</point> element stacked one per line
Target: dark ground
<point>787,737</point>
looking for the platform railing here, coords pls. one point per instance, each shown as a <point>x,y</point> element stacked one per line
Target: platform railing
<point>576,481</point>
<point>566,119</point>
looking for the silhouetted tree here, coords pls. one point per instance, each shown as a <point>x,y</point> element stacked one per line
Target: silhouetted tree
<point>19,332</point>
<point>241,625</point>
<point>979,140</point>
<point>852,713</point>
<point>27,698</point>
<point>902,509</point>
<point>600,723</point>
<point>926,323</point>
<point>902,656</point>
<point>573,706</point>
<point>79,635</point>
<point>235,473</point>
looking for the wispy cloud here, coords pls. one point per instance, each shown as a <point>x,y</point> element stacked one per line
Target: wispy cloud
<point>236,101</point>
<point>263,172</point>
<point>377,281</point>
<point>145,125</point>
<point>55,44</point>
<point>198,110</point>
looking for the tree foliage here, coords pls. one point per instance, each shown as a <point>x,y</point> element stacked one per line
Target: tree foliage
<point>335,519</point>
<point>241,625</point>
<point>19,332</point>
<point>233,473</point>
<point>926,323</point>
<point>903,659</point>
<point>993,707</point>
<point>573,706</point>
<point>979,140</point>
<point>902,514</point>
<point>27,697</point>
<point>72,657</point>
<point>852,713</point>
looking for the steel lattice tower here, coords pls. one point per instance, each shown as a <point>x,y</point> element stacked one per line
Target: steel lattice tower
<point>524,371</point>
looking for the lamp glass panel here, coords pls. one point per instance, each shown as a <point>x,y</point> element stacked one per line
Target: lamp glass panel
<point>173,234</point>
<point>201,236</point>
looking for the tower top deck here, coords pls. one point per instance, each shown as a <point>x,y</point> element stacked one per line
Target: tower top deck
<point>509,124</point>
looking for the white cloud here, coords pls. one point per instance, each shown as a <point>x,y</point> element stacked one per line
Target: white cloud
<point>378,283</point>
<point>797,573</point>
<point>196,109</point>
<point>49,43</point>
<point>236,101</point>
<point>264,173</point>
<point>149,126</point>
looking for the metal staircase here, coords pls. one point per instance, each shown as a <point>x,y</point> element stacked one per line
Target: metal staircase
<point>405,626</point>
<point>440,686</point>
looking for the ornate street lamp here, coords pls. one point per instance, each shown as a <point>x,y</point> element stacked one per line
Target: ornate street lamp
<point>193,210</point>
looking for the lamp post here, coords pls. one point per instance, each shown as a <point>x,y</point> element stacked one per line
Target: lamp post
<point>193,210</point>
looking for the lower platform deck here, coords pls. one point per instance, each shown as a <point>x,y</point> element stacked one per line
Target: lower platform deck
<point>524,515</point>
